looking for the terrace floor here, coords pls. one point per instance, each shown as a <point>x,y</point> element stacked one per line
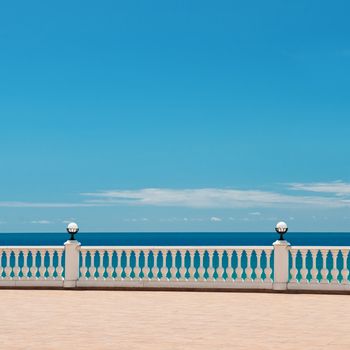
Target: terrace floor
<point>61,319</point>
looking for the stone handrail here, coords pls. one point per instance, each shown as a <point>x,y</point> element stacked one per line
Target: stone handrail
<point>31,266</point>
<point>320,268</point>
<point>205,267</point>
<point>279,267</point>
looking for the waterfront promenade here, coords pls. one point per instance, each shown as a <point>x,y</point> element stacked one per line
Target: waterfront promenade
<point>91,319</point>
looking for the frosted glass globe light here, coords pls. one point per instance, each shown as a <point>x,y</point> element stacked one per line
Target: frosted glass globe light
<point>72,229</point>
<point>281,229</point>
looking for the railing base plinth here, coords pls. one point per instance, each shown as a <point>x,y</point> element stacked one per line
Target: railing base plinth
<point>69,284</point>
<point>279,286</point>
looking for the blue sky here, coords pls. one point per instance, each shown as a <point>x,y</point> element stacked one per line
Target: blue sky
<point>174,115</point>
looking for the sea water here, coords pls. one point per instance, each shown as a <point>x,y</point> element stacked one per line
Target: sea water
<point>176,238</point>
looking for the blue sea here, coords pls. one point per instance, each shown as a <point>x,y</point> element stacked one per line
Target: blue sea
<point>176,238</point>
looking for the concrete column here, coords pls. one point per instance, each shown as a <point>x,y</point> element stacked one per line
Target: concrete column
<point>281,265</point>
<point>72,254</point>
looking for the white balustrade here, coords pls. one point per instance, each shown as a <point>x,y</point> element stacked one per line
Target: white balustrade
<point>176,267</point>
<point>280,266</point>
<point>319,268</point>
<point>31,266</point>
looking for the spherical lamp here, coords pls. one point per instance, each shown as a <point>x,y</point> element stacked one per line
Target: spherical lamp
<point>281,229</point>
<point>72,229</point>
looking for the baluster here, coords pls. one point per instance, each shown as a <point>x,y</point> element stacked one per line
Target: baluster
<point>42,269</point>
<point>8,268</point>
<point>164,269</point>
<point>211,269</point>
<point>146,270</point>
<point>229,269</point>
<point>258,270</point>
<point>239,270</point>
<point>334,271</point>
<point>83,268</point>
<point>314,271</point>
<point>25,268</point>
<point>101,268</point>
<point>304,271</point>
<point>155,265</point>
<point>119,268</point>
<point>220,270</point>
<point>294,270</point>
<point>16,268</point>
<point>137,269</point>
<point>173,269</point>
<point>8,264</point>
<point>128,268</point>
<point>248,270</point>
<point>90,267</point>
<point>324,271</point>
<point>201,269</point>
<point>345,270</point>
<point>33,269</point>
<point>51,268</point>
<point>110,269</point>
<point>93,267</point>
<point>268,269</point>
<point>192,269</point>
<point>59,269</point>
<point>183,269</point>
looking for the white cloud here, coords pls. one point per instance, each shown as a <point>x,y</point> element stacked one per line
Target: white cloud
<point>323,195</point>
<point>175,219</point>
<point>211,198</point>
<point>255,213</point>
<point>68,221</point>
<point>215,219</point>
<point>338,188</point>
<point>170,219</point>
<point>10,204</point>
<point>41,222</point>
<point>136,220</point>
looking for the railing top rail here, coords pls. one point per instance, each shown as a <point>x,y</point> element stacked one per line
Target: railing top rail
<point>140,247</point>
<point>47,247</point>
<point>177,247</point>
<point>329,247</point>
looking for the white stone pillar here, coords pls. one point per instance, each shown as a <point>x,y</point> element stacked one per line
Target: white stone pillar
<point>281,265</point>
<point>72,255</point>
